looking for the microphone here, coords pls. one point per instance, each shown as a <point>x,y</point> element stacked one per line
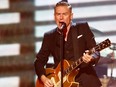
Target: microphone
<point>63,26</point>
<point>63,29</point>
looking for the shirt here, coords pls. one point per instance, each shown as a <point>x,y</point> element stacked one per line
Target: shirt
<point>68,47</point>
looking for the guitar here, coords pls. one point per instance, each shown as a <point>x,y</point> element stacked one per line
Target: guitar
<point>69,69</point>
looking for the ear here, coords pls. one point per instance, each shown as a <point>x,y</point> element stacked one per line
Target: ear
<point>71,16</point>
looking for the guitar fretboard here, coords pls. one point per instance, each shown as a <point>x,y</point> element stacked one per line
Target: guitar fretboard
<point>73,66</point>
<point>106,43</point>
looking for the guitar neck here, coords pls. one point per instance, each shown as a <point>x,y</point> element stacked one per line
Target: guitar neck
<point>106,43</point>
<point>73,66</point>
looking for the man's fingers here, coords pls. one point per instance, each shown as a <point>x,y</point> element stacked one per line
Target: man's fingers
<point>48,83</point>
<point>86,58</point>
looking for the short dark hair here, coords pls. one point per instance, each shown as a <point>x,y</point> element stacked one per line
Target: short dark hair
<point>63,3</point>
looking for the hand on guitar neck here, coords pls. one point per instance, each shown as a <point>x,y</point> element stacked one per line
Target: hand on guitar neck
<point>86,57</point>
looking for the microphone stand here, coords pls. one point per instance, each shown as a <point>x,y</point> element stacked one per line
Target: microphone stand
<point>61,56</point>
<point>62,37</point>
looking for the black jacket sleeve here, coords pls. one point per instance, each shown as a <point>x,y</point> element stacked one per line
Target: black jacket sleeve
<point>42,56</point>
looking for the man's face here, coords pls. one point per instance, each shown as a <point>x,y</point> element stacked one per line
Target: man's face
<point>62,14</point>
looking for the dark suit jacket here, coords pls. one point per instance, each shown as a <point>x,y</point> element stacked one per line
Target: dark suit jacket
<point>84,39</point>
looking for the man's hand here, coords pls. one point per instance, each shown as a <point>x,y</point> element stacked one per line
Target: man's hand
<point>86,57</point>
<point>46,81</point>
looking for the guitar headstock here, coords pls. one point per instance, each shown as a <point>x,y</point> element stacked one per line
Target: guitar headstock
<point>106,43</point>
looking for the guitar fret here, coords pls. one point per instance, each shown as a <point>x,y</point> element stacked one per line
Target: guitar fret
<point>80,60</point>
<point>74,65</point>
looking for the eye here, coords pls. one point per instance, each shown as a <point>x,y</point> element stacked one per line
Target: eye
<point>57,14</point>
<point>65,14</point>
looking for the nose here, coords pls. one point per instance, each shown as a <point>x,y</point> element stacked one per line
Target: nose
<point>61,17</point>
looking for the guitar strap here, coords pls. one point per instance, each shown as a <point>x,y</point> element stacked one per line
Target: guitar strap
<point>75,33</point>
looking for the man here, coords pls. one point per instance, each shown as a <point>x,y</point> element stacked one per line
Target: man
<point>78,40</point>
